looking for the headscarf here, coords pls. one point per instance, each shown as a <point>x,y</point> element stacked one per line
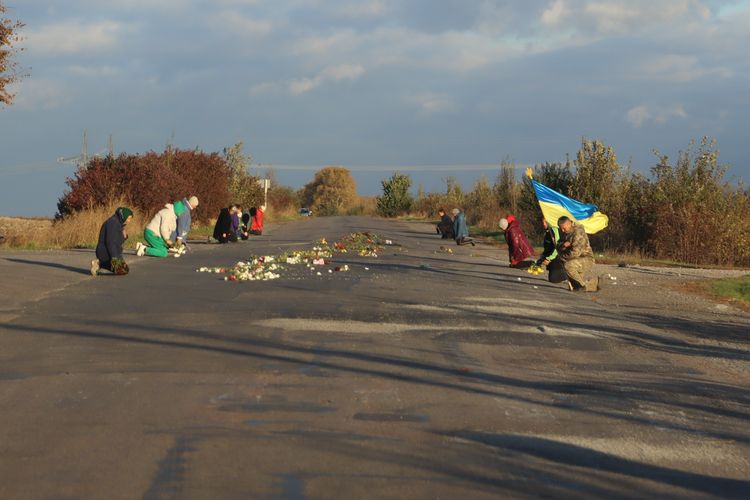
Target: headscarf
<point>179,208</point>
<point>123,213</point>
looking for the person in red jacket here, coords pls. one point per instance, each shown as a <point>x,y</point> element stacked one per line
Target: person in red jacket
<point>519,248</point>
<point>256,227</point>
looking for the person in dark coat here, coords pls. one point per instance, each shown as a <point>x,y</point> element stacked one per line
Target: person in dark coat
<point>223,232</point>
<point>445,226</point>
<point>112,236</point>
<point>245,227</point>
<point>549,257</point>
<point>519,247</point>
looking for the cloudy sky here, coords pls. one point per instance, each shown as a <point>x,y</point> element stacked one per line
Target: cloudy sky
<point>442,85</point>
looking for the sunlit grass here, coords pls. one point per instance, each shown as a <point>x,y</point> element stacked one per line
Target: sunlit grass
<point>731,288</point>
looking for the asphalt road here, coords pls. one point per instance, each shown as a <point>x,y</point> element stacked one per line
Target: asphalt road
<point>428,375</point>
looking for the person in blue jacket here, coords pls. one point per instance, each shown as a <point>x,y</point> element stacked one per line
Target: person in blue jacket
<point>112,236</point>
<point>185,219</point>
<point>460,229</point>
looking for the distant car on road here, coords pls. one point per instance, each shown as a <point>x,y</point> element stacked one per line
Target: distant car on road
<point>305,212</point>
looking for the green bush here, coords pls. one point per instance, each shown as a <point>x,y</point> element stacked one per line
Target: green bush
<point>396,199</point>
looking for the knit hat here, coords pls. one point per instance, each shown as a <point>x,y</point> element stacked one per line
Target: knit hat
<point>455,211</point>
<point>179,208</point>
<point>123,213</point>
<point>503,224</point>
<point>193,201</point>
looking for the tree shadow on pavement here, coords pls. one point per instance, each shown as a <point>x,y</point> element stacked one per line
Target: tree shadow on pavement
<point>55,265</point>
<point>602,399</point>
<point>585,462</point>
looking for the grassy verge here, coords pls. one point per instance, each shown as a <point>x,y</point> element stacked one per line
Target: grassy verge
<point>731,291</point>
<point>735,289</point>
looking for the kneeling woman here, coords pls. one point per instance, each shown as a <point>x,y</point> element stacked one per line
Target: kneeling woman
<point>112,235</point>
<point>224,230</point>
<point>549,258</point>
<point>160,231</point>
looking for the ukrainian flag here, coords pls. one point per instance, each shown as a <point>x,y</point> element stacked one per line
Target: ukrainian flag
<point>554,205</point>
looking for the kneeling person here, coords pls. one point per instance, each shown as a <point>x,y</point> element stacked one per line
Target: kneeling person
<point>550,259</point>
<point>160,230</point>
<point>112,235</point>
<point>577,256</point>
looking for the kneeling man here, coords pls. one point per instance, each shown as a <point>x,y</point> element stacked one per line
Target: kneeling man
<point>575,252</point>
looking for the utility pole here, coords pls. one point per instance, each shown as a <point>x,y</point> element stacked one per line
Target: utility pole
<point>85,148</point>
<point>111,147</point>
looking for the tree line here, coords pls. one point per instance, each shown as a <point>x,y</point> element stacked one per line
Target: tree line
<point>683,209</point>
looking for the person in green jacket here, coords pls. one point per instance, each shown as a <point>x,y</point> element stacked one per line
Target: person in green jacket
<point>160,231</point>
<point>549,258</point>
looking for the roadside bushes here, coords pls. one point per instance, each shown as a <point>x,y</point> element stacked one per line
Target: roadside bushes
<point>146,182</point>
<point>396,199</point>
<point>332,191</point>
<point>683,211</point>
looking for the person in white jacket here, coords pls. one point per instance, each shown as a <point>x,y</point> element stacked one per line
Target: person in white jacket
<point>159,231</point>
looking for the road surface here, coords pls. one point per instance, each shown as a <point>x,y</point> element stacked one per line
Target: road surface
<point>426,375</point>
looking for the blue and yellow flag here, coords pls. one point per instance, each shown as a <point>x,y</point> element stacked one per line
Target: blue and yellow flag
<point>554,205</point>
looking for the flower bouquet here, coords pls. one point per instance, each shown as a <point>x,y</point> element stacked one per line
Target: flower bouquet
<point>120,267</point>
<point>535,269</point>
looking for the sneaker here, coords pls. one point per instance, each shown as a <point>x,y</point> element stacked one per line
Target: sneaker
<point>140,249</point>
<point>94,267</point>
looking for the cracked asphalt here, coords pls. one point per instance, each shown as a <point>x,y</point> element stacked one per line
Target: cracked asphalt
<point>426,375</point>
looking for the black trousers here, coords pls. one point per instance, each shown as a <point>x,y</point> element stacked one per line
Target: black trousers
<point>556,271</point>
<point>229,237</point>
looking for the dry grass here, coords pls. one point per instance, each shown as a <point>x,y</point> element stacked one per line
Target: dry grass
<point>364,205</point>
<point>80,230</point>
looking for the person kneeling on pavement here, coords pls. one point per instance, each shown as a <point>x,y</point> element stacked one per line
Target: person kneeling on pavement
<point>112,235</point>
<point>256,213</point>
<point>223,232</point>
<point>185,219</point>
<point>550,258</point>
<point>445,226</point>
<point>160,231</point>
<point>460,229</point>
<point>577,256</point>
<point>519,247</point>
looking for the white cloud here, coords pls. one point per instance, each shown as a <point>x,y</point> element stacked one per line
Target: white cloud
<point>391,46</point>
<point>430,103</point>
<point>93,71</point>
<point>363,9</point>
<point>75,36</point>
<point>263,88</point>
<point>241,25</point>
<point>40,95</point>
<point>616,17</point>
<point>643,114</point>
<point>331,74</point>
<point>677,68</point>
<point>555,13</point>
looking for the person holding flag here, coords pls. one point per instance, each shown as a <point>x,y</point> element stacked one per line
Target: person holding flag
<point>576,221</point>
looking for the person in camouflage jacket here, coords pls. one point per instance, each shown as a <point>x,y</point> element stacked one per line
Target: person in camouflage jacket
<point>578,259</point>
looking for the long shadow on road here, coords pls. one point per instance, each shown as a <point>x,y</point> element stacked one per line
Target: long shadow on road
<point>607,400</point>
